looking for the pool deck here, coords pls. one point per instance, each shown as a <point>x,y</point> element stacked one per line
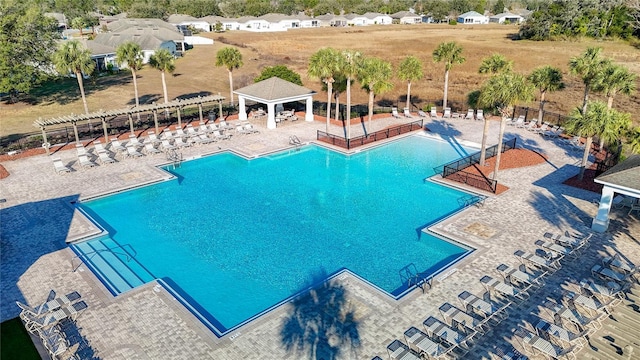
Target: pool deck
<point>146,323</point>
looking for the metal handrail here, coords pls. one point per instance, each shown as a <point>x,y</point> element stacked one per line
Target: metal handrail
<point>90,255</point>
<point>368,138</point>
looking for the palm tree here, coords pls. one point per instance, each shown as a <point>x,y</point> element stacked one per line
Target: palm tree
<point>325,65</point>
<point>589,66</point>
<point>597,120</point>
<point>503,91</point>
<point>72,57</point>
<point>374,75</point>
<point>130,54</point>
<point>230,58</point>
<point>79,23</point>
<point>546,78</point>
<point>494,64</point>
<point>163,61</point>
<point>450,53</point>
<point>410,69</point>
<point>633,140</point>
<point>616,79</point>
<point>350,68</point>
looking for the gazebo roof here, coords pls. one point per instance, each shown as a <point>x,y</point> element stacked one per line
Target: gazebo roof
<point>274,89</point>
<point>624,175</point>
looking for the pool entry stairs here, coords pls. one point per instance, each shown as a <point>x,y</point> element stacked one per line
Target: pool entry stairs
<point>114,264</point>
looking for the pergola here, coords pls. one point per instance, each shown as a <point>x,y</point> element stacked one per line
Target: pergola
<point>103,115</point>
<point>271,92</point>
<point>623,179</point>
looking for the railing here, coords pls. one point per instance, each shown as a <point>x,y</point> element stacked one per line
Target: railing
<point>369,138</point>
<point>454,170</point>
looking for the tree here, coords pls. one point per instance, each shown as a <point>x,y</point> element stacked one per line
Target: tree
<point>280,71</point>
<point>163,61</point>
<point>498,7</point>
<point>450,53</point>
<point>546,78</point>
<point>374,75</point>
<point>410,69</point>
<point>503,91</point>
<point>350,68</point>
<point>130,55</point>
<point>72,57</point>
<point>597,120</point>
<point>633,140</point>
<point>79,23</point>
<point>589,66</point>
<point>616,79</point>
<point>22,63</point>
<point>494,64</point>
<point>325,64</point>
<point>230,58</point>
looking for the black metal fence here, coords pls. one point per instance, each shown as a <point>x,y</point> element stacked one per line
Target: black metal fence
<point>532,113</point>
<point>455,169</point>
<point>368,138</point>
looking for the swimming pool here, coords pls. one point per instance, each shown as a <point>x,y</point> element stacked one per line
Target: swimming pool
<point>237,236</point>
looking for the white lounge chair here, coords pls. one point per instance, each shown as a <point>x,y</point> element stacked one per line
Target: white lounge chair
<point>394,112</point>
<point>166,135</point>
<point>610,293</point>
<point>565,336</point>
<point>589,303</point>
<point>507,291</point>
<point>447,113</point>
<point>470,115</point>
<point>203,139</point>
<point>152,138</point>
<point>180,133</point>
<point>539,262</point>
<point>544,346</point>
<point>421,343</point>
<point>179,142</point>
<point>437,329</point>
<point>60,167</point>
<point>607,274</point>
<point>116,146</point>
<point>532,125</point>
<point>558,250</point>
<point>249,129</point>
<point>618,263</point>
<point>85,162</point>
<point>512,275</point>
<point>225,126</point>
<point>221,136</point>
<point>97,146</point>
<point>150,149</point>
<point>480,115</point>
<point>422,114</point>
<point>486,309</point>
<point>134,142</point>
<point>572,315</point>
<point>458,318</point>
<point>191,131</point>
<point>133,152</point>
<point>519,123</point>
<point>399,351</point>
<point>166,145</point>
<point>433,113</point>
<point>105,158</point>
<point>575,243</point>
<point>407,113</point>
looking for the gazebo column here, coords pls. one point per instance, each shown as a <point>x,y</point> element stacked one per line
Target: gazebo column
<point>45,143</point>
<point>155,119</point>
<point>179,117</point>
<point>601,221</point>
<point>220,108</point>
<point>242,112</point>
<point>104,129</point>
<point>308,116</point>
<point>75,131</point>
<point>271,116</point>
<point>131,124</point>
<point>200,112</point>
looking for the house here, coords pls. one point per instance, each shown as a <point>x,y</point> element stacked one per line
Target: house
<point>356,20</point>
<point>280,21</point>
<point>252,23</point>
<point>374,18</point>
<point>507,17</point>
<point>472,18</point>
<point>406,17</point>
<point>103,55</point>
<point>332,20</point>
<point>60,18</point>
<point>189,21</point>
<point>307,21</point>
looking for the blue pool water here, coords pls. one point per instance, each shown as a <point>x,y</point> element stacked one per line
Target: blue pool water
<point>239,236</point>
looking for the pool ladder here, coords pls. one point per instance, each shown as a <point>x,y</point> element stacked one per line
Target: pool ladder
<point>293,140</point>
<point>93,253</point>
<point>175,157</point>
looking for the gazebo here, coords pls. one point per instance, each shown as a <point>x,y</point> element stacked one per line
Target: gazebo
<point>274,91</point>
<point>622,179</point>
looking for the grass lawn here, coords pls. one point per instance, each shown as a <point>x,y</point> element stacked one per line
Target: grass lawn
<point>15,342</point>
<point>196,72</point>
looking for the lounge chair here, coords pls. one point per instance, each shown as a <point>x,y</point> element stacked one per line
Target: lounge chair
<point>547,348</point>
<point>179,142</point>
<point>562,334</point>
<point>480,115</point>
<point>97,146</point>
<point>505,290</point>
<point>181,134</point>
<point>54,303</point>
<point>532,125</point>
<point>133,152</point>
<point>166,135</point>
<point>204,129</point>
<point>407,113</point>
<point>45,320</point>
<point>481,307</point>
<point>53,342</point>
<point>191,131</point>
<point>558,250</point>
<point>589,303</point>
<point>399,351</point>
<point>422,114</point>
<point>203,139</point>
<point>610,293</point>
<point>574,243</point>
<point>607,274</point>
<point>433,112</point>
<point>447,113</point>
<point>514,275</point>
<point>85,162</point>
<point>105,158</point>
<point>220,136</point>
<point>224,126</point>
<point>133,141</point>
<point>470,115</point>
<point>249,129</point>
<point>507,352</point>
<point>538,262</point>
<point>552,132</point>
<point>519,123</point>
<point>458,318</point>
<point>60,167</point>
<point>541,129</point>
<point>213,127</point>
<point>152,138</point>
<point>116,146</point>
<point>150,149</point>
<point>81,150</point>
<point>394,112</point>
<point>422,343</point>
<point>576,143</point>
<point>616,262</point>
<point>572,315</point>
<point>166,145</point>
<point>437,329</point>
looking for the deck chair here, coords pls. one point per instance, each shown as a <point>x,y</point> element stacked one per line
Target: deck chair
<point>616,262</point>
<point>480,115</point>
<point>60,167</point>
<point>512,275</point>
<point>225,126</point>
<point>557,250</point>
<point>437,329</point>
<point>152,137</point>
<point>203,139</point>
<point>407,113</point>
<point>460,319</point>
<point>394,112</point>
<point>447,113</point>
<point>422,114</point>
<point>166,145</point>
<point>536,343</point>
<point>574,243</point>
<point>191,131</point>
<point>116,146</point>
<point>166,135</point>
<point>250,129</point>
<point>105,158</point>
<point>541,129</point>
<point>470,115</point>
<point>179,142</point>
<point>53,303</point>
<point>422,344</point>
<point>610,293</point>
<point>45,320</point>
<point>537,262</point>
<point>503,289</point>
<point>150,149</point>
<point>399,351</point>
<point>607,274</point>
<point>81,150</point>
<point>133,141</point>
<point>565,336</point>
<point>85,162</point>
<point>133,152</point>
<point>573,316</point>
<point>532,125</point>
<point>487,310</point>
<point>181,134</point>
<point>519,123</point>
<point>97,146</point>
<point>218,135</point>
<point>54,343</point>
<point>588,303</point>
<point>433,112</point>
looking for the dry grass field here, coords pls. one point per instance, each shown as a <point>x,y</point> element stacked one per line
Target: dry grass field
<point>196,73</point>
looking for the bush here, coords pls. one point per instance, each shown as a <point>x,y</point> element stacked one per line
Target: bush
<point>453,22</point>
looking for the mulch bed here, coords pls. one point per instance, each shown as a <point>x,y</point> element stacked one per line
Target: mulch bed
<point>587,182</point>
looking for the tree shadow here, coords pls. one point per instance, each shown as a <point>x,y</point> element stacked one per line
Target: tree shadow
<point>146,99</point>
<point>64,90</point>
<point>321,323</point>
<point>193,94</point>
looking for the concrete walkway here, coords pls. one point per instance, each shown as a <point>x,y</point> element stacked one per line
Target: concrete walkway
<point>146,323</point>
